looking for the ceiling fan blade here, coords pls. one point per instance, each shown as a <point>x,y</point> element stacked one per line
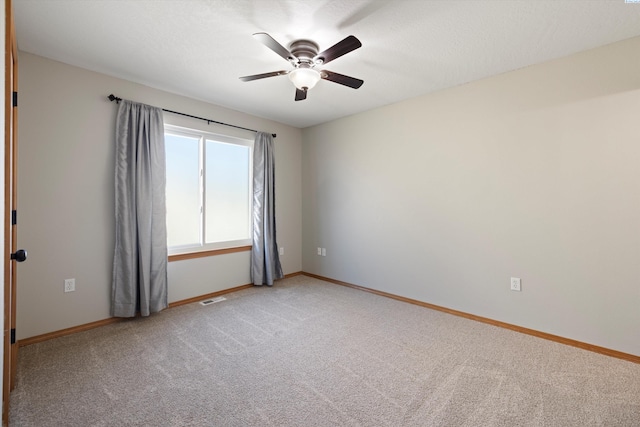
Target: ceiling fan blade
<point>341,79</point>
<point>337,50</point>
<point>272,44</point>
<point>301,94</point>
<point>262,76</point>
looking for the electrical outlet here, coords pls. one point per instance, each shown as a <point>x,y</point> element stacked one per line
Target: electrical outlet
<point>324,251</point>
<point>319,251</point>
<point>515,284</point>
<point>281,251</point>
<point>69,285</point>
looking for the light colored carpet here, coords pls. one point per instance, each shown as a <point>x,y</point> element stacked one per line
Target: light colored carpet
<point>310,353</point>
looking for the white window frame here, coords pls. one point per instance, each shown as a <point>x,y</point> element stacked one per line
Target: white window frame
<point>203,136</point>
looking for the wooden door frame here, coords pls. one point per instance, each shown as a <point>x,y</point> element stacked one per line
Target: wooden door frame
<point>10,139</point>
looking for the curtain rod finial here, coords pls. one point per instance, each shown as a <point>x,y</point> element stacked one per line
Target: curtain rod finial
<point>112,98</point>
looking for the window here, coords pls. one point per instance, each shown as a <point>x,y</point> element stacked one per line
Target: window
<point>208,190</point>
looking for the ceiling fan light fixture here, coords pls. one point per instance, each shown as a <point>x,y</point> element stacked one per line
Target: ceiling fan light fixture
<point>304,57</point>
<point>304,78</point>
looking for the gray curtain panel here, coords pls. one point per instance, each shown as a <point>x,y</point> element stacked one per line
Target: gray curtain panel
<point>265,262</point>
<point>140,256</point>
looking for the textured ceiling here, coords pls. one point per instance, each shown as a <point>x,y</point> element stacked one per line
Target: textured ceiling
<point>199,48</point>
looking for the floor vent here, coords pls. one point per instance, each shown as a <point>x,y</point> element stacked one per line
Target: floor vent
<point>212,300</point>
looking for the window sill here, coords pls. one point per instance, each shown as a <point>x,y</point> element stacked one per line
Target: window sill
<point>203,254</point>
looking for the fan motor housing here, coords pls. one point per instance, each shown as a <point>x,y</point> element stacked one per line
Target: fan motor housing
<point>304,50</point>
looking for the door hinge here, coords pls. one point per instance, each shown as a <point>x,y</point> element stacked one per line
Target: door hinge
<point>15,99</point>
<point>13,336</point>
<point>14,217</point>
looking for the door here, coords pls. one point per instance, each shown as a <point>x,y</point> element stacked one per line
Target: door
<point>11,254</point>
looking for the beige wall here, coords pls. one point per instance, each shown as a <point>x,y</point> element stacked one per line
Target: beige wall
<point>532,174</point>
<point>66,194</point>
<point>442,198</point>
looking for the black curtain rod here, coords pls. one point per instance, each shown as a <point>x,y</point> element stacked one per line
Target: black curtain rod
<point>112,98</point>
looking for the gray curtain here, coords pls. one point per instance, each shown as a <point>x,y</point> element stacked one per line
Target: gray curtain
<point>265,262</point>
<point>140,257</point>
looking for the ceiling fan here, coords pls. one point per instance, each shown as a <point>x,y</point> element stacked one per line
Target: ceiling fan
<point>304,56</point>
